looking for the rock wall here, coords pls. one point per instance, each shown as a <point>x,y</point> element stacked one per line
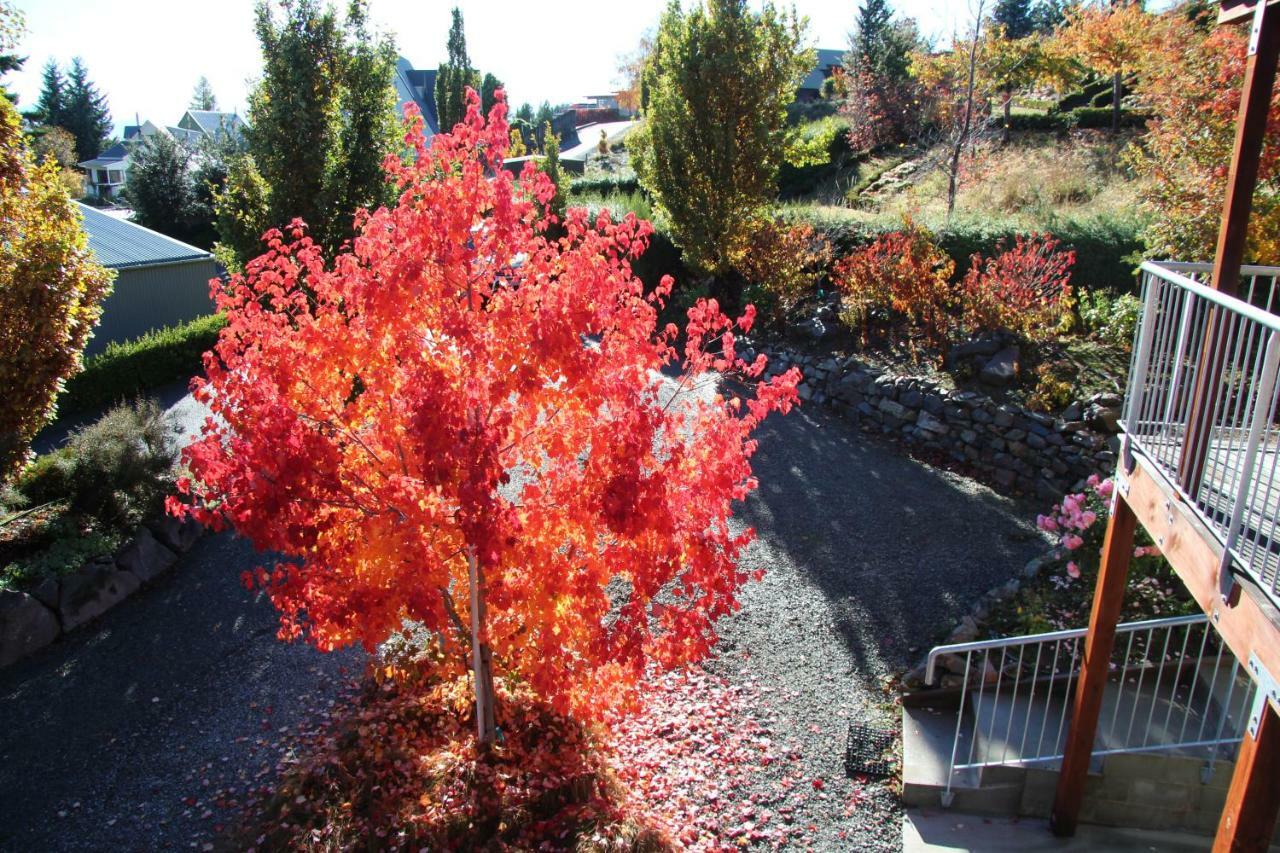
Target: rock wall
<point>1011,446</point>
<point>31,620</point>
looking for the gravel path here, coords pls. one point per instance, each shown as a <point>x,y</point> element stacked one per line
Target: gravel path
<point>869,555</point>
<point>128,734</point>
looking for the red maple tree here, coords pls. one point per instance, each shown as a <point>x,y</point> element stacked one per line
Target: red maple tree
<point>463,421</point>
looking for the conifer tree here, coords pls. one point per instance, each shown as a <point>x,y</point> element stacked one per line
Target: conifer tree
<point>51,106</point>
<point>86,115</point>
<point>454,77</point>
<point>488,92</point>
<point>203,98</point>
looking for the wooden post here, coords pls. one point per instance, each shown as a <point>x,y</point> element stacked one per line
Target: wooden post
<point>1249,818</point>
<point>1108,595</point>
<point>1242,178</point>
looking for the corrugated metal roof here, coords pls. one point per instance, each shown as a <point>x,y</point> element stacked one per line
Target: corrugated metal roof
<point>118,244</point>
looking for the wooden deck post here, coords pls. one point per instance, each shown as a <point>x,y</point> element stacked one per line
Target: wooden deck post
<point>1249,818</point>
<point>1108,595</point>
<point>1242,178</point>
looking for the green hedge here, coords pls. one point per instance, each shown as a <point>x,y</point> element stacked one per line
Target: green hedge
<point>1081,117</point>
<point>604,185</point>
<point>125,370</point>
<point>1105,246</point>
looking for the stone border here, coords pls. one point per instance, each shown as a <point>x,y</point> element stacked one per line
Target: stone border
<point>31,621</point>
<point>970,625</point>
<point>1011,446</point>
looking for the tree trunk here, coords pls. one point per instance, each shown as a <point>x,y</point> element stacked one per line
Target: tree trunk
<point>481,656</point>
<point>963,131</point>
<point>1008,113</point>
<point>1115,104</point>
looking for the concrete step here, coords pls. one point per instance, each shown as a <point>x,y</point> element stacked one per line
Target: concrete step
<point>931,831</point>
<point>927,738</point>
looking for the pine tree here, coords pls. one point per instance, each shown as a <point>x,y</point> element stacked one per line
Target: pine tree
<point>203,98</point>
<point>488,90</point>
<point>542,120</point>
<point>525,113</point>
<point>51,106</point>
<point>11,28</point>
<point>877,46</point>
<point>454,77</point>
<point>86,116</point>
<point>1017,17</point>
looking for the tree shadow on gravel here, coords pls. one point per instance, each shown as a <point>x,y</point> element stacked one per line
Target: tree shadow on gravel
<point>899,550</point>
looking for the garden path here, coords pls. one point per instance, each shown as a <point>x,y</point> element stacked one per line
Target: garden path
<point>122,735</point>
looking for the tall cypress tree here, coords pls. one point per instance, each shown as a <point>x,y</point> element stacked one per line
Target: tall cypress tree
<point>86,115</point>
<point>51,106</point>
<point>1017,16</point>
<point>369,123</point>
<point>321,122</point>
<point>454,77</point>
<point>488,92</point>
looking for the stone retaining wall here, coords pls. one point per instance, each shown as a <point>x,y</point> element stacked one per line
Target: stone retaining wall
<point>32,620</point>
<point>1014,447</point>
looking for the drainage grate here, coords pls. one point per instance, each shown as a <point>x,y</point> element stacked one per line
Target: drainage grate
<point>869,751</point>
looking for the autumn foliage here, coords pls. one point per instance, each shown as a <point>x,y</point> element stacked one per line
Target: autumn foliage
<point>901,277</point>
<point>457,387</point>
<point>50,291</point>
<point>1191,81</point>
<point>1022,289</point>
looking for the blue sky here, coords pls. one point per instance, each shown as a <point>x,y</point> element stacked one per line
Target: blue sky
<point>146,55</point>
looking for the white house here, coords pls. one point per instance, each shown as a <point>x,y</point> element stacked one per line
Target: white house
<point>106,174</point>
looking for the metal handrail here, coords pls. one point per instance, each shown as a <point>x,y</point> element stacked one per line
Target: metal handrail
<point>1233,484</point>
<point>1168,271</point>
<point>1049,637</point>
<point>1017,691</point>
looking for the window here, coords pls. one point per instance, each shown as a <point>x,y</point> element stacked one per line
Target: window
<point>114,176</point>
<point>102,176</point>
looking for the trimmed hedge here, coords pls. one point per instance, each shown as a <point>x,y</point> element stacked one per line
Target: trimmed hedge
<point>1105,246</point>
<point>605,185</point>
<point>126,370</point>
<point>1081,117</point>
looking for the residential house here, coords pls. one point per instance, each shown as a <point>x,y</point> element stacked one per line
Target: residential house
<point>106,174</point>
<point>159,281</point>
<point>417,86</point>
<point>829,62</point>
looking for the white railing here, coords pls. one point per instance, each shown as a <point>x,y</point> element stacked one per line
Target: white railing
<point>1202,405</point>
<point>1173,686</point>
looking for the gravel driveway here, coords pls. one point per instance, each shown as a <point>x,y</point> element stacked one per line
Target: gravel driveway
<point>132,734</point>
<point>869,556</point>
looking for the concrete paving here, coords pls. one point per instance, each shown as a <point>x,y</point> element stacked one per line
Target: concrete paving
<point>926,831</point>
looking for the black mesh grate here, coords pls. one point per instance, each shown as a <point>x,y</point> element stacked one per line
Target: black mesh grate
<point>869,751</point>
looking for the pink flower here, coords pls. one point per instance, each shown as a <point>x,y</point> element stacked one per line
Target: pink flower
<point>1071,541</point>
<point>1046,523</point>
<point>1105,488</point>
<point>1093,481</point>
<point>1073,570</point>
<point>1088,517</point>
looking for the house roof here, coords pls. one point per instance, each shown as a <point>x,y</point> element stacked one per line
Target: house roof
<point>111,157</point>
<point>120,244</point>
<point>213,121</point>
<point>418,86</point>
<point>827,57</point>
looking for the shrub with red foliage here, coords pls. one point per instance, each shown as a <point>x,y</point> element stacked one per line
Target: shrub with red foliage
<point>902,280</point>
<point>1022,289</point>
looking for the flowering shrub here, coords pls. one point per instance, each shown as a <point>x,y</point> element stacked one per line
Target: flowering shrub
<point>782,263</point>
<point>902,275</point>
<point>1062,598</point>
<point>1021,289</point>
